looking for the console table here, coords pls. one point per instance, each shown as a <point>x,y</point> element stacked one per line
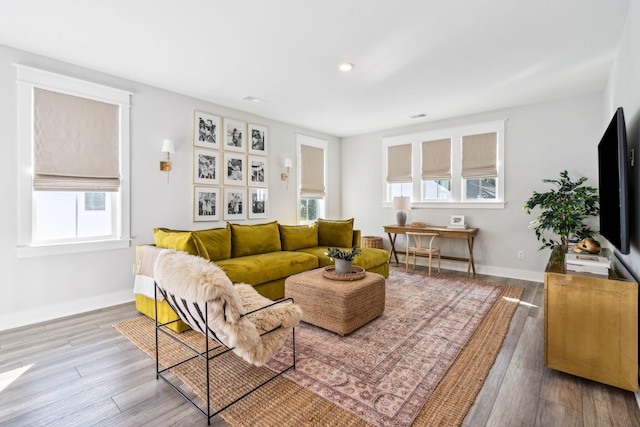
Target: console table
<point>591,322</point>
<point>448,233</point>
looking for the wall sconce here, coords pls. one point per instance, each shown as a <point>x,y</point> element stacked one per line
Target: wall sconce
<point>167,147</point>
<point>288,164</point>
<point>401,204</point>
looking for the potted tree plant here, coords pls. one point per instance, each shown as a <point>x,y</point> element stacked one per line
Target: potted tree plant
<point>563,211</point>
<point>343,258</point>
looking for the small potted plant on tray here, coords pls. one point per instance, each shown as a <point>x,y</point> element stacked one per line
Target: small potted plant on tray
<point>343,258</point>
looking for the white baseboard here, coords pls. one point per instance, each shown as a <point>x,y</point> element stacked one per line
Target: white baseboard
<point>42,314</point>
<point>533,276</point>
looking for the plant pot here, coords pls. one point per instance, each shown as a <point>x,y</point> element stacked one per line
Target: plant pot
<point>343,266</point>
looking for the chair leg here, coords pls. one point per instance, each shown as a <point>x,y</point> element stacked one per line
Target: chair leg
<point>430,255</point>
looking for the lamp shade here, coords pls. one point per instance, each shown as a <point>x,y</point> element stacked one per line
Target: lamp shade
<point>167,146</point>
<point>288,163</point>
<point>402,203</point>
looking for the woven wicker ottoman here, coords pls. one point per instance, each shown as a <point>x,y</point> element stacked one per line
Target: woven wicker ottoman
<point>335,305</point>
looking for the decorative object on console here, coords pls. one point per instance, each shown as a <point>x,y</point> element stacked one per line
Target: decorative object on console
<point>401,204</point>
<point>418,224</point>
<point>587,245</point>
<point>563,210</point>
<point>167,147</point>
<point>288,164</point>
<point>457,221</point>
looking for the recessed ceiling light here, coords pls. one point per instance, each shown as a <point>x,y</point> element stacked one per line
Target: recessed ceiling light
<point>345,66</point>
<point>252,99</point>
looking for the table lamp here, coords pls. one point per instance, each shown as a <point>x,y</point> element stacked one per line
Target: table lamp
<point>401,204</point>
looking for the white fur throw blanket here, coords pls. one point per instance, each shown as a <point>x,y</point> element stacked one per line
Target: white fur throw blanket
<point>194,281</point>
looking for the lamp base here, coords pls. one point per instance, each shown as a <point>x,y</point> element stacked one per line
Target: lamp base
<point>401,218</point>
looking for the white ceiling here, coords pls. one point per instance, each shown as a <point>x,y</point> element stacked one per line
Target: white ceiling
<point>443,58</point>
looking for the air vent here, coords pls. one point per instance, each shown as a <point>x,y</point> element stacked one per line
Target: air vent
<point>417,116</point>
<point>252,99</point>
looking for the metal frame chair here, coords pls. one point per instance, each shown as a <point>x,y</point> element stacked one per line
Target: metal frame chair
<point>197,317</point>
<point>418,248</point>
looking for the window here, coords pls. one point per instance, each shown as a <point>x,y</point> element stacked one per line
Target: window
<point>312,178</point>
<point>74,158</point>
<point>456,167</point>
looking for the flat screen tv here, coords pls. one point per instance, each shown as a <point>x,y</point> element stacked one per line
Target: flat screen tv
<point>613,183</point>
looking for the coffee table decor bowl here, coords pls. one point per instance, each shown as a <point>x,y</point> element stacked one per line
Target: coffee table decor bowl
<point>357,273</point>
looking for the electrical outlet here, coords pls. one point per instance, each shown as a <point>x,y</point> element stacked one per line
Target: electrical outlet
<point>520,254</point>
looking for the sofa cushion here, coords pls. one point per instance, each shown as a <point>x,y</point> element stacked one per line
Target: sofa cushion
<point>263,268</point>
<point>338,233</point>
<point>174,239</point>
<point>213,244</point>
<point>254,239</point>
<point>295,237</point>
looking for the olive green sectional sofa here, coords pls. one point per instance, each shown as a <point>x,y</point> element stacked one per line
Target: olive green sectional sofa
<point>264,255</point>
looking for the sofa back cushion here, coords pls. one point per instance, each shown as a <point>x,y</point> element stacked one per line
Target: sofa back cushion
<point>175,239</point>
<point>294,237</point>
<point>213,244</point>
<point>254,239</point>
<point>338,233</point>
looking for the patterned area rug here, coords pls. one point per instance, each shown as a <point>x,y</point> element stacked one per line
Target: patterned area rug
<point>399,369</point>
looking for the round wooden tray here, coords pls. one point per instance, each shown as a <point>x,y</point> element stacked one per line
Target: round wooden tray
<point>357,273</point>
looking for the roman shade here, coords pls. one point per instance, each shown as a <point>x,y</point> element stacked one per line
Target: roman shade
<point>76,143</point>
<point>311,172</point>
<point>399,163</point>
<point>436,159</point>
<point>479,156</point>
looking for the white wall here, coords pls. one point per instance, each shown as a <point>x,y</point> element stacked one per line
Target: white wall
<point>41,288</point>
<point>623,90</point>
<point>540,141</point>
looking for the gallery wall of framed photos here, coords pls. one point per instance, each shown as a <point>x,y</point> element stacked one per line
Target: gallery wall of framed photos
<point>230,169</point>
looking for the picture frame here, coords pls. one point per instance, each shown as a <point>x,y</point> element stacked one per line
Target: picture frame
<point>206,166</point>
<point>257,171</point>
<point>258,203</point>
<point>235,169</point>
<point>206,204</point>
<point>235,138</point>
<point>258,139</point>
<point>206,130</point>
<point>235,203</point>
<point>457,221</point>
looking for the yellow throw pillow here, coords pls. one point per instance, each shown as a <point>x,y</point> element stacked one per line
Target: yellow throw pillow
<point>174,239</point>
<point>294,237</point>
<point>336,233</point>
<point>213,244</point>
<point>254,239</point>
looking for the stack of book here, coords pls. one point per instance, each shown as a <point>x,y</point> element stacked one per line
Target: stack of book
<point>587,263</point>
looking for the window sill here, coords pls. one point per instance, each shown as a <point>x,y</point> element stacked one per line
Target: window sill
<point>72,248</point>
<point>453,205</point>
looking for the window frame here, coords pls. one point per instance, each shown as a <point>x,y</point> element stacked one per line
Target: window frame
<point>457,182</point>
<point>324,145</point>
<point>27,79</point>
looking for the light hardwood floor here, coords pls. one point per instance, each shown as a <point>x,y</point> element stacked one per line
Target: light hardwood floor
<point>79,371</point>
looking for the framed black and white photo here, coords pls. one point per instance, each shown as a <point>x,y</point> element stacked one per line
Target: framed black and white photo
<point>206,204</point>
<point>457,220</point>
<point>258,203</point>
<point>206,166</point>
<point>257,171</point>
<point>235,138</point>
<point>258,139</point>
<point>235,169</point>
<point>235,203</point>
<point>206,130</point>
